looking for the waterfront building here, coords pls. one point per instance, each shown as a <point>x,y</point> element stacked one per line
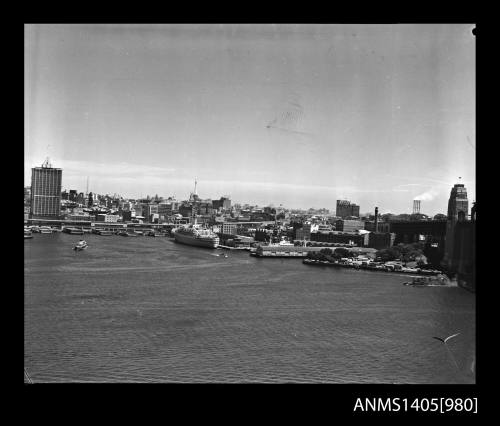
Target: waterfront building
<point>345,208</point>
<point>150,209</point>
<point>165,209</point>
<point>107,217</point>
<point>350,238</point>
<point>383,227</point>
<point>411,231</point>
<point>285,251</point>
<point>126,215</point>
<point>45,196</point>
<point>381,240</point>
<point>78,217</point>
<point>229,228</point>
<point>305,232</point>
<point>137,210</point>
<point>346,225</point>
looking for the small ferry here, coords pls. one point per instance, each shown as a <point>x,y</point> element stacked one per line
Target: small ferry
<point>27,233</point>
<point>103,232</point>
<point>82,245</point>
<point>45,230</point>
<point>128,234</point>
<point>72,230</point>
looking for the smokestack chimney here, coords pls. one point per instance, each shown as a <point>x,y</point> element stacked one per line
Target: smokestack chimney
<point>376,219</point>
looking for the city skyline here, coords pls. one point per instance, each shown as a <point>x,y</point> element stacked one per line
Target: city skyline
<point>299,115</point>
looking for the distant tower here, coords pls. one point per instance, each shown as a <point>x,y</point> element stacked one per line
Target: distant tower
<point>194,195</point>
<point>376,219</point>
<point>416,206</point>
<point>458,209</point>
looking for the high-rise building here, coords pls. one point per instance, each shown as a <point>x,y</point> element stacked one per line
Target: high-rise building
<point>224,203</point>
<point>416,206</point>
<point>45,191</point>
<point>73,194</point>
<point>346,209</point>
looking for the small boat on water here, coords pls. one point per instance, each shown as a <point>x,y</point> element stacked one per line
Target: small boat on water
<point>103,232</point>
<point>82,245</point>
<point>128,234</point>
<point>154,233</point>
<point>45,230</point>
<point>73,230</point>
<point>27,233</point>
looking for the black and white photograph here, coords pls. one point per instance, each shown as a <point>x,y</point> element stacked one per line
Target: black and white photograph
<point>250,203</point>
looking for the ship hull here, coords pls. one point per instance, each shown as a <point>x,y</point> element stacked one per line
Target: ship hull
<point>197,242</point>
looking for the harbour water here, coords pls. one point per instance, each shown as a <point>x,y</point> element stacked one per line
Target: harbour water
<point>151,310</point>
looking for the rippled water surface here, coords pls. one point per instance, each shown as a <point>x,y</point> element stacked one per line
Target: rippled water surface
<point>150,310</point>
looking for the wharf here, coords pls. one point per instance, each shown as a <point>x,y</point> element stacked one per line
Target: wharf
<point>232,248</point>
<point>417,271</point>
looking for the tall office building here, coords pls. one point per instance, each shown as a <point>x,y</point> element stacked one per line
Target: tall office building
<point>45,191</point>
<point>346,209</point>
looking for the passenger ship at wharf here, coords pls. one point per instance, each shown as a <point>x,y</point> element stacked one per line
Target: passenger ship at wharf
<point>196,235</point>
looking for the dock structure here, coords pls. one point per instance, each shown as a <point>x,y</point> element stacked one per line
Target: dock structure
<point>284,251</point>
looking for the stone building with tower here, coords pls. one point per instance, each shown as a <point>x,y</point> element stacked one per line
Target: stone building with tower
<point>460,243</point>
<point>458,209</point>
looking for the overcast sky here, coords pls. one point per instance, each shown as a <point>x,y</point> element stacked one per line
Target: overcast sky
<point>299,115</point>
